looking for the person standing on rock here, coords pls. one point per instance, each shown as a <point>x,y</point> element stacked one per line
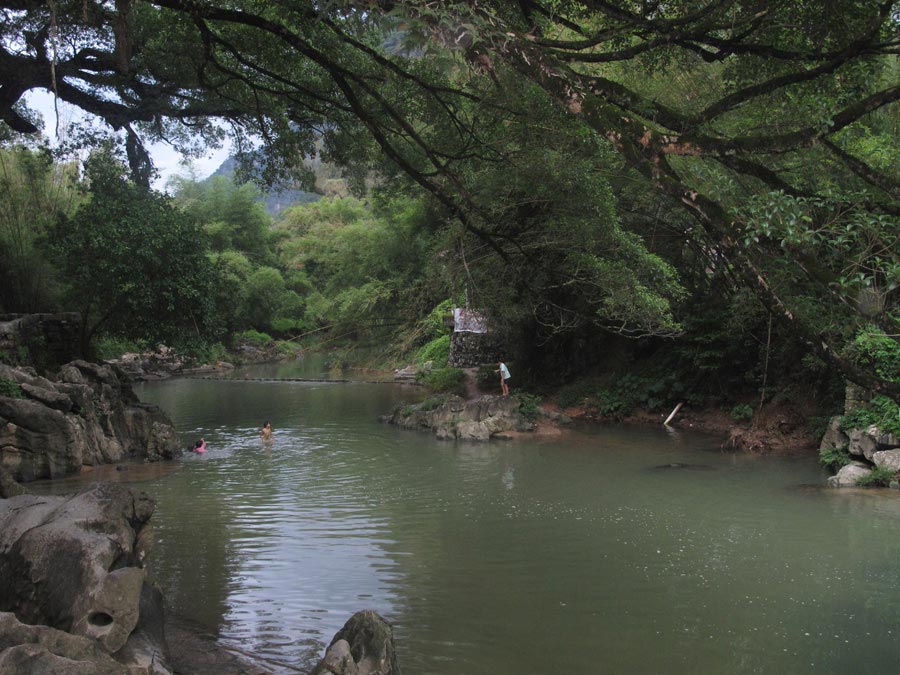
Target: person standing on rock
<point>504,377</point>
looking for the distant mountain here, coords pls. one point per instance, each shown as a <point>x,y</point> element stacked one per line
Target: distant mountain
<point>276,200</point>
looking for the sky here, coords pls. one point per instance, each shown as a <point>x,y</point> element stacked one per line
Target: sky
<point>167,160</point>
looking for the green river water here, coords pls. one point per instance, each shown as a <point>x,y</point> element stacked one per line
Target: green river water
<point>574,554</point>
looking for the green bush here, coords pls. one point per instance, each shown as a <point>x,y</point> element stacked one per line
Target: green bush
<point>254,337</point>
<point>612,403</point>
<point>433,324</point>
<point>529,405</point>
<point>880,476</point>
<point>445,380</point>
<point>110,347</point>
<point>430,403</point>
<point>880,411</point>
<point>289,348</point>
<point>834,459</point>
<point>10,388</point>
<point>287,326</point>
<point>875,349</point>
<point>742,412</point>
<point>436,351</point>
<point>195,349</point>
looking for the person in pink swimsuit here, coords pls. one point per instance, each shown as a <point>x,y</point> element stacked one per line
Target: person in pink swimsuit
<point>200,446</point>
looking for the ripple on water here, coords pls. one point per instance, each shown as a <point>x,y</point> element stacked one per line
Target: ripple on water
<point>487,558</point>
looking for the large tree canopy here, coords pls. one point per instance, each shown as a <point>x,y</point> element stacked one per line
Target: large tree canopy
<point>771,124</point>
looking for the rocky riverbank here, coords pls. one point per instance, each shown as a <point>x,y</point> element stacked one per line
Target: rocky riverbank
<point>76,597</point>
<point>85,415</point>
<point>164,362</point>
<point>456,418</point>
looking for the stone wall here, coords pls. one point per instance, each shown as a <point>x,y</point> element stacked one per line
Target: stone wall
<point>470,350</point>
<point>45,341</point>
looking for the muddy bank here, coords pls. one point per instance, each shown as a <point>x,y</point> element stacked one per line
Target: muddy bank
<point>782,429</point>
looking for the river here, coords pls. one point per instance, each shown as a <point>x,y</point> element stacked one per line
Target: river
<point>586,553</point>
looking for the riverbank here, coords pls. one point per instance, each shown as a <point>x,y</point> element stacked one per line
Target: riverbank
<point>781,429</point>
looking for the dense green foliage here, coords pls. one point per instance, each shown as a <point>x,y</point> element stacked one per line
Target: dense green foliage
<point>879,476</point>
<point>833,459</point>
<point>133,264</point>
<point>437,351</point>
<point>718,179</point>
<point>34,193</point>
<point>878,352</point>
<point>444,380</point>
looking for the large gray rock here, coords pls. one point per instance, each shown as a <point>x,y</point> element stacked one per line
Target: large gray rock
<point>40,650</point>
<point>888,459</point>
<point>75,564</point>
<point>862,443</point>
<point>849,475</point>
<point>834,438</point>
<point>471,420</point>
<point>364,646</point>
<point>87,416</point>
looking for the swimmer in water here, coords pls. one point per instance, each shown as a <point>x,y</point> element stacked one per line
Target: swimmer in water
<point>266,432</point>
<point>200,446</point>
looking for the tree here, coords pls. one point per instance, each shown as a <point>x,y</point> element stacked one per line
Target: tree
<point>34,192</point>
<point>135,266</point>
<point>707,103</point>
<point>232,215</point>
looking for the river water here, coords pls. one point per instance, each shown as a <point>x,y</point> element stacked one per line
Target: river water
<point>586,553</point>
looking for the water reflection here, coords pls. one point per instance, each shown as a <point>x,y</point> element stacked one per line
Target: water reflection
<point>530,556</point>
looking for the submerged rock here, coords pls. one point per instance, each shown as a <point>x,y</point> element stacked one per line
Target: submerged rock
<point>86,416</point>
<point>686,467</point>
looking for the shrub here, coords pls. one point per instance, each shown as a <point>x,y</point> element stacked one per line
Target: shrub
<point>433,324</point>
<point>529,405</point>
<point>289,348</point>
<point>446,380</point>
<point>110,347</point>
<point>432,403</point>
<point>254,337</point>
<point>742,412</point>
<point>880,411</point>
<point>10,388</point>
<point>880,476</point>
<point>833,459</point>
<point>437,351</point>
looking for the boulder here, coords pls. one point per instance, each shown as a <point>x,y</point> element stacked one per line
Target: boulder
<point>8,485</point>
<point>834,438</point>
<point>861,443</point>
<point>364,646</point>
<point>889,459</point>
<point>87,416</point>
<point>407,374</point>
<point>849,475</point>
<point>75,564</point>
<point>40,650</point>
